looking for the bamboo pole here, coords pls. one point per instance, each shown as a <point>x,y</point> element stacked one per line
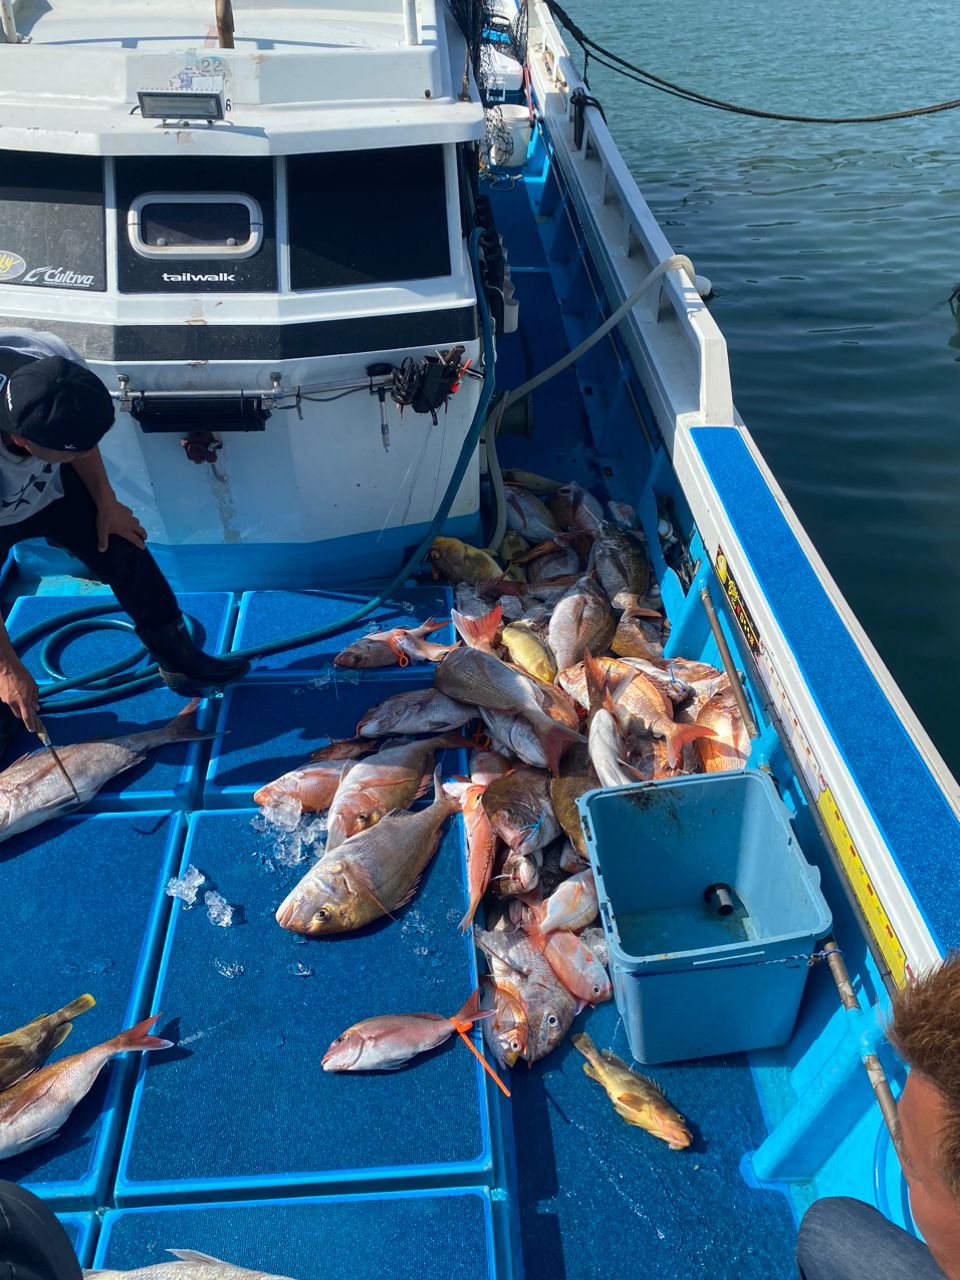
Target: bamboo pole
<point>225,23</point>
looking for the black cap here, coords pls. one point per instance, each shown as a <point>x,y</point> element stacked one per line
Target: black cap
<point>56,403</point>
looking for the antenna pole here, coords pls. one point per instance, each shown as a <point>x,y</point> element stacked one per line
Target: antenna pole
<point>224,23</point>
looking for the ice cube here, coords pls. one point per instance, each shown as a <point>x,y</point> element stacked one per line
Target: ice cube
<point>323,679</point>
<point>219,910</point>
<point>300,970</point>
<point>186,887</point>
<point>283,813</point>
<point>228,970</point>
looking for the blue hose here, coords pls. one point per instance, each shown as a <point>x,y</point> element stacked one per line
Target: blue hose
<point>110,683</point>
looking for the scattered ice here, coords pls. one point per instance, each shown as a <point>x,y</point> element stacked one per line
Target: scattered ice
<point>300,970</point>
<point>335,675</point>
<point>98,965</point>
<point>347,675</point>
<point>186,887</point>
<point>324,678</point>
<point>284,813</point>
<point>228,970</point>
<point>219,910</point>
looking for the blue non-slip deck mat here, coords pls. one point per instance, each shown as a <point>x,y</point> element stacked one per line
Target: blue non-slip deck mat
<point>169,777</point>
<point>269,729</point>
<point>268,616</point>
<point>245,1104</point>
<point>904,797</point>
<point>598,1197</point>
<point>79,1229</point>
<point>407,1236</point>
<point>82,910</point>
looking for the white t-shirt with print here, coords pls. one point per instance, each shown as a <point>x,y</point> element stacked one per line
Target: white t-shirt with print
<point>27,485</point>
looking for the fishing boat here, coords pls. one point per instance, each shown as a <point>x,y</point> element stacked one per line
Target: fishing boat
<point>340,265</point>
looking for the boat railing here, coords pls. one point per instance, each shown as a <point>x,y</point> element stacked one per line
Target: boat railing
<point>675,343</point>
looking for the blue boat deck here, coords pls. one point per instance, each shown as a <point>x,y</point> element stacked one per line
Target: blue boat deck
<point>235,1142</point>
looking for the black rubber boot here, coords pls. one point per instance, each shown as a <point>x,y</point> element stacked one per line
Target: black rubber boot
<point>33,1244</point>
<point>185,668</point>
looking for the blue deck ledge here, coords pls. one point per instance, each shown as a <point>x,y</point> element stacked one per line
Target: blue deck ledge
<point>905,799</point>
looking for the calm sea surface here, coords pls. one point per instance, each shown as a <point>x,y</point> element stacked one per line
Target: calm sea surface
<point>833,250</point>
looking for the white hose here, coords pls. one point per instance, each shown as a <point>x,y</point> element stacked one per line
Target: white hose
<point>676,261</point>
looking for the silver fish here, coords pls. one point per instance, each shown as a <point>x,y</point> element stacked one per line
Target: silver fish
<point>33,790</point>
<point>512,735</point>
<point>417,711</point>
<point>528,516</point>
<point>582,619</point>
<point>622,564</point>
<point>190,1265</point>
<point>370,875</point>
<point>518,967</point>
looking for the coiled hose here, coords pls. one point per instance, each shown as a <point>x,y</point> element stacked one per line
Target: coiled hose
<point>110,683</point>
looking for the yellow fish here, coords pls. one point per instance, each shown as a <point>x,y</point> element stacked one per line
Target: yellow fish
<point>459,562</point>
<point>528,651</point>
<point>637,1098</point>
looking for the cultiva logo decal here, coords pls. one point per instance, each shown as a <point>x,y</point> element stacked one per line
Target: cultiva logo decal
<point>59,277</point>
<point>11,266</point>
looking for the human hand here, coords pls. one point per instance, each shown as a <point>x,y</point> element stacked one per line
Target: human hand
<point>114,517</point>
<point>19,691</point>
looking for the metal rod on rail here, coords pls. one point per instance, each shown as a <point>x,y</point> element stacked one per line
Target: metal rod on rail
<point>225,26</point>
<point>8,22</point>
<point>743,706</point>
<point>410,33</point>
<point>874,1068</point>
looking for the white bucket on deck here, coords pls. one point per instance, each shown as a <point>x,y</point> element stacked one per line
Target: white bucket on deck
<point>511,152</point>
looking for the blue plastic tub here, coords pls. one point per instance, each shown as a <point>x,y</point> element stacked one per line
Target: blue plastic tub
<point>83,910</point>
<point>242,1106</point>
<point>435,1235</point>
<point>691,982</point>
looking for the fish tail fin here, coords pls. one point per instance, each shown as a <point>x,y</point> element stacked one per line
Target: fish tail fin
<point>183,726</point>
<point>589,1050</point>
<point>501,586</point>
<point>138,1038</point>
<point>75,1008</point>
<point>678,735</point>
<point>554,739</point>
<point>467,920</point>
<point>478,633</point>
<point>471,1011</point>
<point>633,606</point>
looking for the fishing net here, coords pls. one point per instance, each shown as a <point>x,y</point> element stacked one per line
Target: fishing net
<point>488,26</point>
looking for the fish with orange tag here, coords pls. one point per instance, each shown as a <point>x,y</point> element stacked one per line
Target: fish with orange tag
<point>397,647</point>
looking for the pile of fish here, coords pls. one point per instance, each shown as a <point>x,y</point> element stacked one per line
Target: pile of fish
<point>561,666</point>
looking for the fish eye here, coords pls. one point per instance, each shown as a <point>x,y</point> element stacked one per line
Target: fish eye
<point>339,1040</point>
<point>596,989</point>
<point>552,1020</point>
<point>514,1046</point>
<point>434,554</point>
<point>320,916</point>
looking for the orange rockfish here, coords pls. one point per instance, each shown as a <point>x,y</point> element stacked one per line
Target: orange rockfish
<point>572,905</point>
<point>638,1099</point>
<point>33,1111</point>
<point>387,1042</point>
<point>399,646</point>
<point>574,964</point>
<point>313,786</point>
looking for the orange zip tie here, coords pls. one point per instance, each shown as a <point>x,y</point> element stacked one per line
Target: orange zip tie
<point>462,1030</point>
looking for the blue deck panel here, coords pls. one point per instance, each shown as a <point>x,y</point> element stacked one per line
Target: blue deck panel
<point>268,616</point>
<point>910,809</point>
<point>168,777</point>
<point>79,1229</point>
<point>408,1236</point>
<point>83,910</point>
<point>244,1039</point>
<point>597,1197</point>
<point>270,729</point>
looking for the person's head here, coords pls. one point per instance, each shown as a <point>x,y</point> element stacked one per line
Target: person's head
<point>925,1029</point>
<point>54,408</point>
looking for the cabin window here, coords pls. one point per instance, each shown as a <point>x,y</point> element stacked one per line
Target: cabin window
<point>203,224</point>
<point>367,217</point>
<point>192,224</point>
<point>52,221</point>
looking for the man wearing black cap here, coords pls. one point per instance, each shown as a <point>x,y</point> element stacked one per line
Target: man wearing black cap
<point>53,413</point>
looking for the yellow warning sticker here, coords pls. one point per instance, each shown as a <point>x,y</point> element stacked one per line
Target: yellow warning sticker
<point>870,904</point>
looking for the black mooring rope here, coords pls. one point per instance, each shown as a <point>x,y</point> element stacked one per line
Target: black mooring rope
<point>606,58</point>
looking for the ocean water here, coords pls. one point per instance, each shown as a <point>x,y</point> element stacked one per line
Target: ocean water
<point>833,251</point>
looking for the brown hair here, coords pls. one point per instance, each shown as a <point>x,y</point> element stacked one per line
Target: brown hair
<point>925,1030</point>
